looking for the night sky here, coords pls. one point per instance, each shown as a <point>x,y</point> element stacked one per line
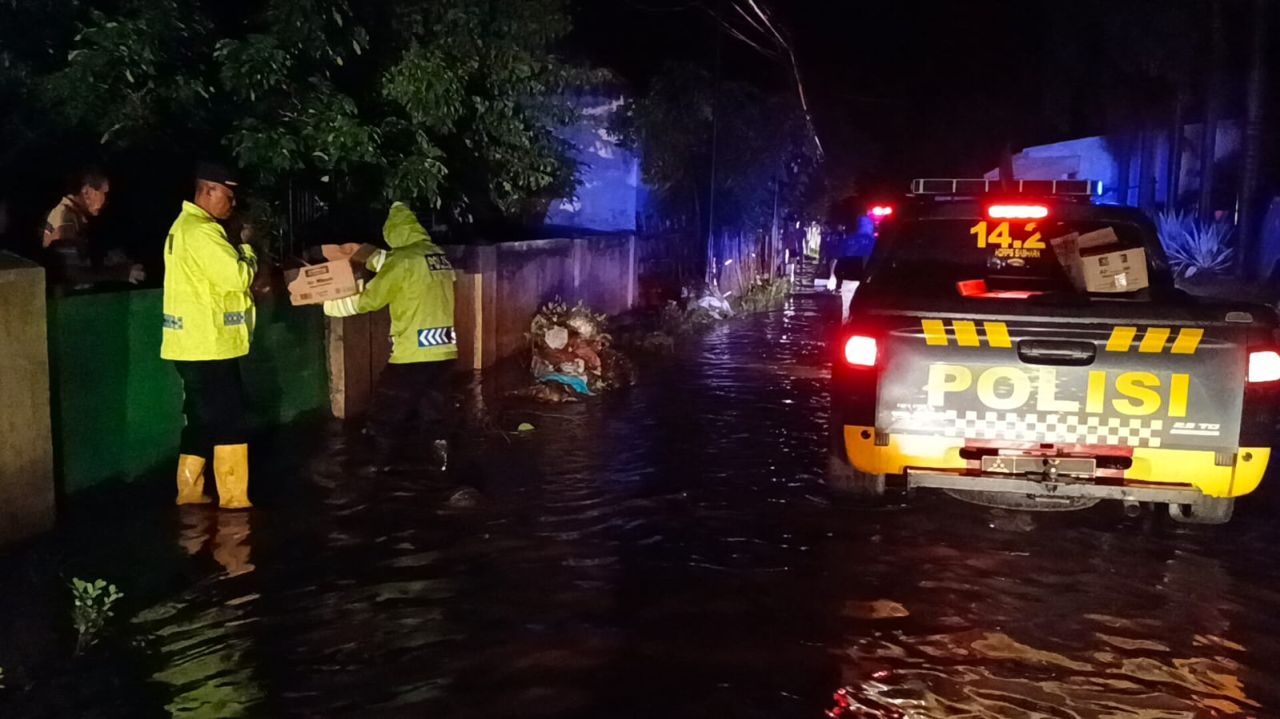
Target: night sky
<point>900,89</point>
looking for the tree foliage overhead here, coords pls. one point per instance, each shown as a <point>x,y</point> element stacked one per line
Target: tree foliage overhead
<point>450,104</point>
<point>762,141</point>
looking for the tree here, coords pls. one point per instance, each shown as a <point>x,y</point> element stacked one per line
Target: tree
<point>764,140</point>
<point>1123,70</point>
<point>447,104</point>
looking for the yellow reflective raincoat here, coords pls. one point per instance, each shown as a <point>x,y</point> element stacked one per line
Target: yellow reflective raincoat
<point>208,308</point>
<point>416,279</point>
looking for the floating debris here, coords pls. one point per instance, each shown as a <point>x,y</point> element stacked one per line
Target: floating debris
<point>878,609</point>
<point>572,355</point>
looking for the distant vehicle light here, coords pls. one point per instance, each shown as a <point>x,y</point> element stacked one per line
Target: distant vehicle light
<point>1264,366</point>
<point>1017,212</point>
<point>881,211</point>
<point>860,351</point>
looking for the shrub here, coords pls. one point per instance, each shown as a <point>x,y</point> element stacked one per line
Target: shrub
<point>1195,248</point>
<point>764,295</point>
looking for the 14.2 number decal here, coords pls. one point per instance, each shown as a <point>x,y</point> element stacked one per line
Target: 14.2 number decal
<point>1000,237</point>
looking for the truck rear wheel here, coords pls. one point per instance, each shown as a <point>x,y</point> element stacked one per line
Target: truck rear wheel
<point>845,479</point>
<point>841,476</point>
<point>1205,510</point>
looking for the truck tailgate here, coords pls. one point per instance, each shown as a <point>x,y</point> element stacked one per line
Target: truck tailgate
<point>1021,379</point>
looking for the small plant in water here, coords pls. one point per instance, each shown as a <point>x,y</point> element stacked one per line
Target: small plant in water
<point>93,603</point>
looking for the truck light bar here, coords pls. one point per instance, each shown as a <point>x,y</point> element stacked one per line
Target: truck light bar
<point>962,186</point>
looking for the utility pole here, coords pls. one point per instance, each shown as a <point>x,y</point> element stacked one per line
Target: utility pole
<point>1212,110</point>
<point>1248,254</point>
<point>715,149</point>
<point>1174,177</point>
<point>772,254</point>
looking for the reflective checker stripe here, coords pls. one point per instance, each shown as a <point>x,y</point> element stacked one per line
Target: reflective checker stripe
<point>172,323</point>
<point>436,337</point>
<point>233,319</point>
<point>1053,428</point>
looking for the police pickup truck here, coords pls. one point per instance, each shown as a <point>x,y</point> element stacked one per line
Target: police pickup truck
<point>990,353</point>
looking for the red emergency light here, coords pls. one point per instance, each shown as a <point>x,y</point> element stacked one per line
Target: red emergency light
<point>1017,212</point>
<point>1264,366</point>
<point>860,351</point>
<point>881,211</point>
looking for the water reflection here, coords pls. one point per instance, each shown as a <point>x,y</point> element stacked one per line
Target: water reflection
<point>224,534</point>
<point>670,553</point>
<point>1024,630</point>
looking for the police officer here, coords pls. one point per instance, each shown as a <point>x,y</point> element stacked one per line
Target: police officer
<point>416,280</point>
<point>208,323</point>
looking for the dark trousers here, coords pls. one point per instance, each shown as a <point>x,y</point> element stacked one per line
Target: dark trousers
<point>213,402</point>
<point>406,392</point>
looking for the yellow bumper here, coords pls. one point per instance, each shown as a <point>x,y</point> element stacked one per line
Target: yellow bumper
<point>1152,466</point>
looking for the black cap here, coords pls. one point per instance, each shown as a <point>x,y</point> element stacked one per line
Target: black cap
<point>216,172</point>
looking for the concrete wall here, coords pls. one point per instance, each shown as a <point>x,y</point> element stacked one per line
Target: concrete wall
<point>528,275</point>
<point>26,451</point>
<point>600,271</point>
<point>118,407</point>
<point>499,289</point>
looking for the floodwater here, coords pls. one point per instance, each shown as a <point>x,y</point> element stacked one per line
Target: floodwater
<point>668,552</point>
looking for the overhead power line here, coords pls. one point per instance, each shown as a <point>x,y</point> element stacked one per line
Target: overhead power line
<point>771,43</point>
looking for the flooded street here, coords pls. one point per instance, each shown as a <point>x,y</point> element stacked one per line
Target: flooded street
<point>668,552</point>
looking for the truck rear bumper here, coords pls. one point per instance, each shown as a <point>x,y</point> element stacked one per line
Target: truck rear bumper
<point>1064,490</point>
<point>1178,470</point>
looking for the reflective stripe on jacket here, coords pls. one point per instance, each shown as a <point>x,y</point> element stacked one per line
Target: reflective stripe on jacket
<point>208,308</point>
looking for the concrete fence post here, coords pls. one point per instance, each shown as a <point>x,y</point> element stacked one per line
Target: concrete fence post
<point>632,276</point>
<point>334,336</point>
<point>485,310</point>
<point>27,496</point>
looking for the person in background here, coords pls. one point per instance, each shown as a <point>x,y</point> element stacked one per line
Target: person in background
<point>416,280</point>
<point>858,244</point>
<point>208,324</point>
<point>66,237</point>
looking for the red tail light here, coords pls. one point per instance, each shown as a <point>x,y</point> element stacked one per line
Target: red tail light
<point>1017,212</point>
<point>881,211</point>
<point>1264,366</point>
<point>860,351</point>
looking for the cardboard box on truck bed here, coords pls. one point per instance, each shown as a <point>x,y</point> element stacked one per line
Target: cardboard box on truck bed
<point>1096,262</point>
<point>332,280</point>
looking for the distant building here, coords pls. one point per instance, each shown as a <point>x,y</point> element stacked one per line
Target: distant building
<point>609,189</point>
<point>1099,158</point>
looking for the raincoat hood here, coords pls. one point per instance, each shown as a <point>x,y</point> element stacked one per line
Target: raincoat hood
<point>402,229</point>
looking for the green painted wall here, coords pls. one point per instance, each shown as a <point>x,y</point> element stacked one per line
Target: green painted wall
<point>117,407</point>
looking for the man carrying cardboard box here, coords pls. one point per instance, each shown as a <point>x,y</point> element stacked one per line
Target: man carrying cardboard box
<point>416,280</point>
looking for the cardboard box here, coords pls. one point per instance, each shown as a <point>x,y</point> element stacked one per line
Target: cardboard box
<point>350,251</point>
<point>1095,262</point>
<point>333,280</point>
